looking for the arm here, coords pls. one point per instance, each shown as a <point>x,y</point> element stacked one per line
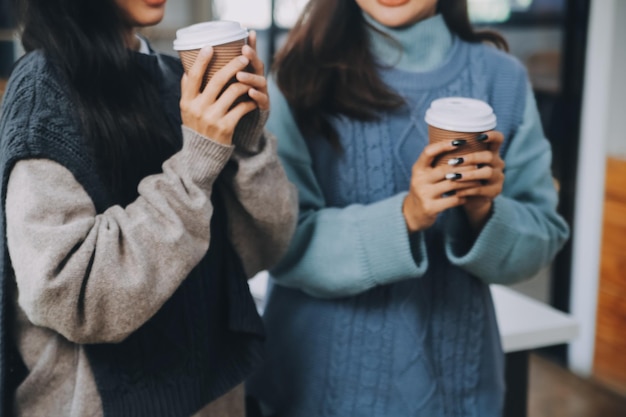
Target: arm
<point>338,252</point>
<point>98,277</point>
<point>261,203</point>
<point>524,231</point>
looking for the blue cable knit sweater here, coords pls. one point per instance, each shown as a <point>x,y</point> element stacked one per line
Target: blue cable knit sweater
<point>365,320</point>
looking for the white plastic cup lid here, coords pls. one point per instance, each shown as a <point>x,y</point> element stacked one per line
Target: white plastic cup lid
<point>461,114</point>
<point>211,33</point>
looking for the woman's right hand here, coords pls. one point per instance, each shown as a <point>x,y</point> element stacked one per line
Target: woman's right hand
<point>211,112</point>
<point>433,189</point>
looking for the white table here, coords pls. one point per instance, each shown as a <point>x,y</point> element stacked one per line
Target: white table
<point>525,324</point>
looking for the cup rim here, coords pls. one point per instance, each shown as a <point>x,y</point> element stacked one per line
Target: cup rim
<point>215,32</point>
<point>445,113</point>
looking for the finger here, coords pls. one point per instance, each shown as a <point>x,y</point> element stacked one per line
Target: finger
<point>488,191</point>
<point>434,150</point>
<point>253,80</point>
<point>262,99</point>
<point>192,79</point>
<point>449,186</point>
<point>235,114</point>
<point>255,61</point>
<point>252,39</point>
<point>484,173</point>
<point>222,77</point>
<point>229,97</point>
<point>446,201</point>
<point>494,138</point>
<point>471,159</point>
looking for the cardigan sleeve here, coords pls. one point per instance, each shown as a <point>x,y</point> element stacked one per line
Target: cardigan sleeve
<point>525,231</point>
<point>95,278</point>
<point>337,252</point>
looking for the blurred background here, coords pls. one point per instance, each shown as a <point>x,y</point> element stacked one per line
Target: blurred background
<point>575,55</point>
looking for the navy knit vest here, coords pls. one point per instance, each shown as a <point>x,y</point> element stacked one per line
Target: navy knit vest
<point>204,341</point>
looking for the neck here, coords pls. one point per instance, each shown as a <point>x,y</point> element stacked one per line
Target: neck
<point>130,39</point>
<point>419,47</point>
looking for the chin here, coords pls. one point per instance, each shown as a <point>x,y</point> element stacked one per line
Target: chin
<point>145,21</point>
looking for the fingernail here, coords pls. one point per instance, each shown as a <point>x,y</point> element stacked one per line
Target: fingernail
<point>448,194</point>
<point>453,176</point>
<point>458,142</point>
<point>244,60</point>
<point>482,137</point>
<point>455,161</point>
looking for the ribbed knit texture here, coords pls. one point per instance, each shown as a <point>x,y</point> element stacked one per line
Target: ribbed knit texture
<point>207,337</point>
<point>427,346</point>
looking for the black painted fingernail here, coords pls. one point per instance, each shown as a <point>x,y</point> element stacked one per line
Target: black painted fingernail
<point>448,194</point>
<point>453,176</point>
<point>456,161</point>
<point>482,137</point>
<point>458,142</point>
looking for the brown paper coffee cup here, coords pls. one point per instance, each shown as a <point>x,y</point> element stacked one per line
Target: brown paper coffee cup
<point>226,37</point>
<point>440,135</point>
<point>454,118</point>
<point>222,55</point>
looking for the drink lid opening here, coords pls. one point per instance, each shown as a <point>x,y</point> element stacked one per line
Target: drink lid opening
<point>461,114</point>
<point>209,33</point>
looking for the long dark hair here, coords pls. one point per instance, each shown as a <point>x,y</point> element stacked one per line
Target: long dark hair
<point>326,67</point>
<point>115,99</point>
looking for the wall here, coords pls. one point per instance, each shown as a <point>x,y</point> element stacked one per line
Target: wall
<point>602,124</point>
<point>616,145</point>
<point>609,365</point>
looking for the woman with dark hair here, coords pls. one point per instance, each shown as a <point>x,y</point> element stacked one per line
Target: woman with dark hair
<point>381,306</point>
<point>134,208</point>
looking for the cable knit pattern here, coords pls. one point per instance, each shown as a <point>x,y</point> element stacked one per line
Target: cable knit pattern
<point>426,344</point>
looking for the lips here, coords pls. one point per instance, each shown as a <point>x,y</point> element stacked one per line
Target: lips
<point>393,3</point>
<point>155,3</point>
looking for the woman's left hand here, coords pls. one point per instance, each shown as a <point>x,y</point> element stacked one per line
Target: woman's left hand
<point>255,78</point>
<point>489,172</point>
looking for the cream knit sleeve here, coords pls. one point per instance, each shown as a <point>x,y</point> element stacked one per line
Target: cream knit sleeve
<point>96,278</point>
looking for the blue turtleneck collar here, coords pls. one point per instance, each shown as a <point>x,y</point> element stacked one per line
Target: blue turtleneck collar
<point>420,47</point>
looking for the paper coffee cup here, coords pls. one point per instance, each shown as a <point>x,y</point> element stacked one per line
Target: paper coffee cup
<point>451,118</point>
<point>226,37</point>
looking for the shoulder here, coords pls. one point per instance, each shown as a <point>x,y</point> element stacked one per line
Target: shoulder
<point>282,124</point>
<point>34,84</point>
<point>33,71</point>
<point>37,109</point>
<point>170,60</point>
<point>501,63</point>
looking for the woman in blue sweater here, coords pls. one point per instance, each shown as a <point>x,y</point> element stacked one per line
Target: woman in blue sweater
<point>381,306</point>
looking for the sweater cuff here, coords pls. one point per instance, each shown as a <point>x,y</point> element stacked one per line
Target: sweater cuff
<point>489,244</point>
<point>204,157</point>
<point>391,258</point>
<point>249,131</point>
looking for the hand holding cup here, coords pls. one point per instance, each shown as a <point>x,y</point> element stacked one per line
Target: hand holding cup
<point>487,168</point>
<point>255,76</point>
<point>215,111</point>
<point>461,166</point>
<point>216,92</point>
